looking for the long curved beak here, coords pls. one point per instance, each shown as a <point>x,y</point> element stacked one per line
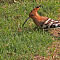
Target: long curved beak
<point>25,21</point>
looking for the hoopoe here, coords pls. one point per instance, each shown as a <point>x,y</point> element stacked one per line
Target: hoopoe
<point>42,21</point>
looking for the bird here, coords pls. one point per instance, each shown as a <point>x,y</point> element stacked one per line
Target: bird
<point>42,21</point>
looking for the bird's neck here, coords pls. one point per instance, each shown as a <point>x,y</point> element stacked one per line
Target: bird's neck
<point>37,17</point>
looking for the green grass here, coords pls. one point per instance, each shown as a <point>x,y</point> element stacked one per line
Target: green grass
<point>23,45</point>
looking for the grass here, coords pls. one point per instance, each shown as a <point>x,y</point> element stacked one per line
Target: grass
<point>23,45</point>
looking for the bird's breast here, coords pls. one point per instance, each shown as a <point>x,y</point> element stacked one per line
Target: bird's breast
<point>37,22</point>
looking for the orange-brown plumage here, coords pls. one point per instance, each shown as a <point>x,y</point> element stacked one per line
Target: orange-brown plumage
<point>38,20</point>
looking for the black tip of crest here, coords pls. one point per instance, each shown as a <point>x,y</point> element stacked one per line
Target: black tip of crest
<point>39,6</point>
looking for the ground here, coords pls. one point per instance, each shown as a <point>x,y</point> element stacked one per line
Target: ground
<point>28,42</point>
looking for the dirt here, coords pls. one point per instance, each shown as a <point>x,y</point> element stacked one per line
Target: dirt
<point>53,52</point>
<point>55,32</point>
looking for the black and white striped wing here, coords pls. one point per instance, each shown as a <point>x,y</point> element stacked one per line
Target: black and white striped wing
<point>50,23</point>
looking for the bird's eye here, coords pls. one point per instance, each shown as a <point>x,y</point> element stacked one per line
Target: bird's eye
<point>32,14</point>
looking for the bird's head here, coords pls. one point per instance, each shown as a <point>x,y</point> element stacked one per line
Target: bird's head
<point>32,14</point>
